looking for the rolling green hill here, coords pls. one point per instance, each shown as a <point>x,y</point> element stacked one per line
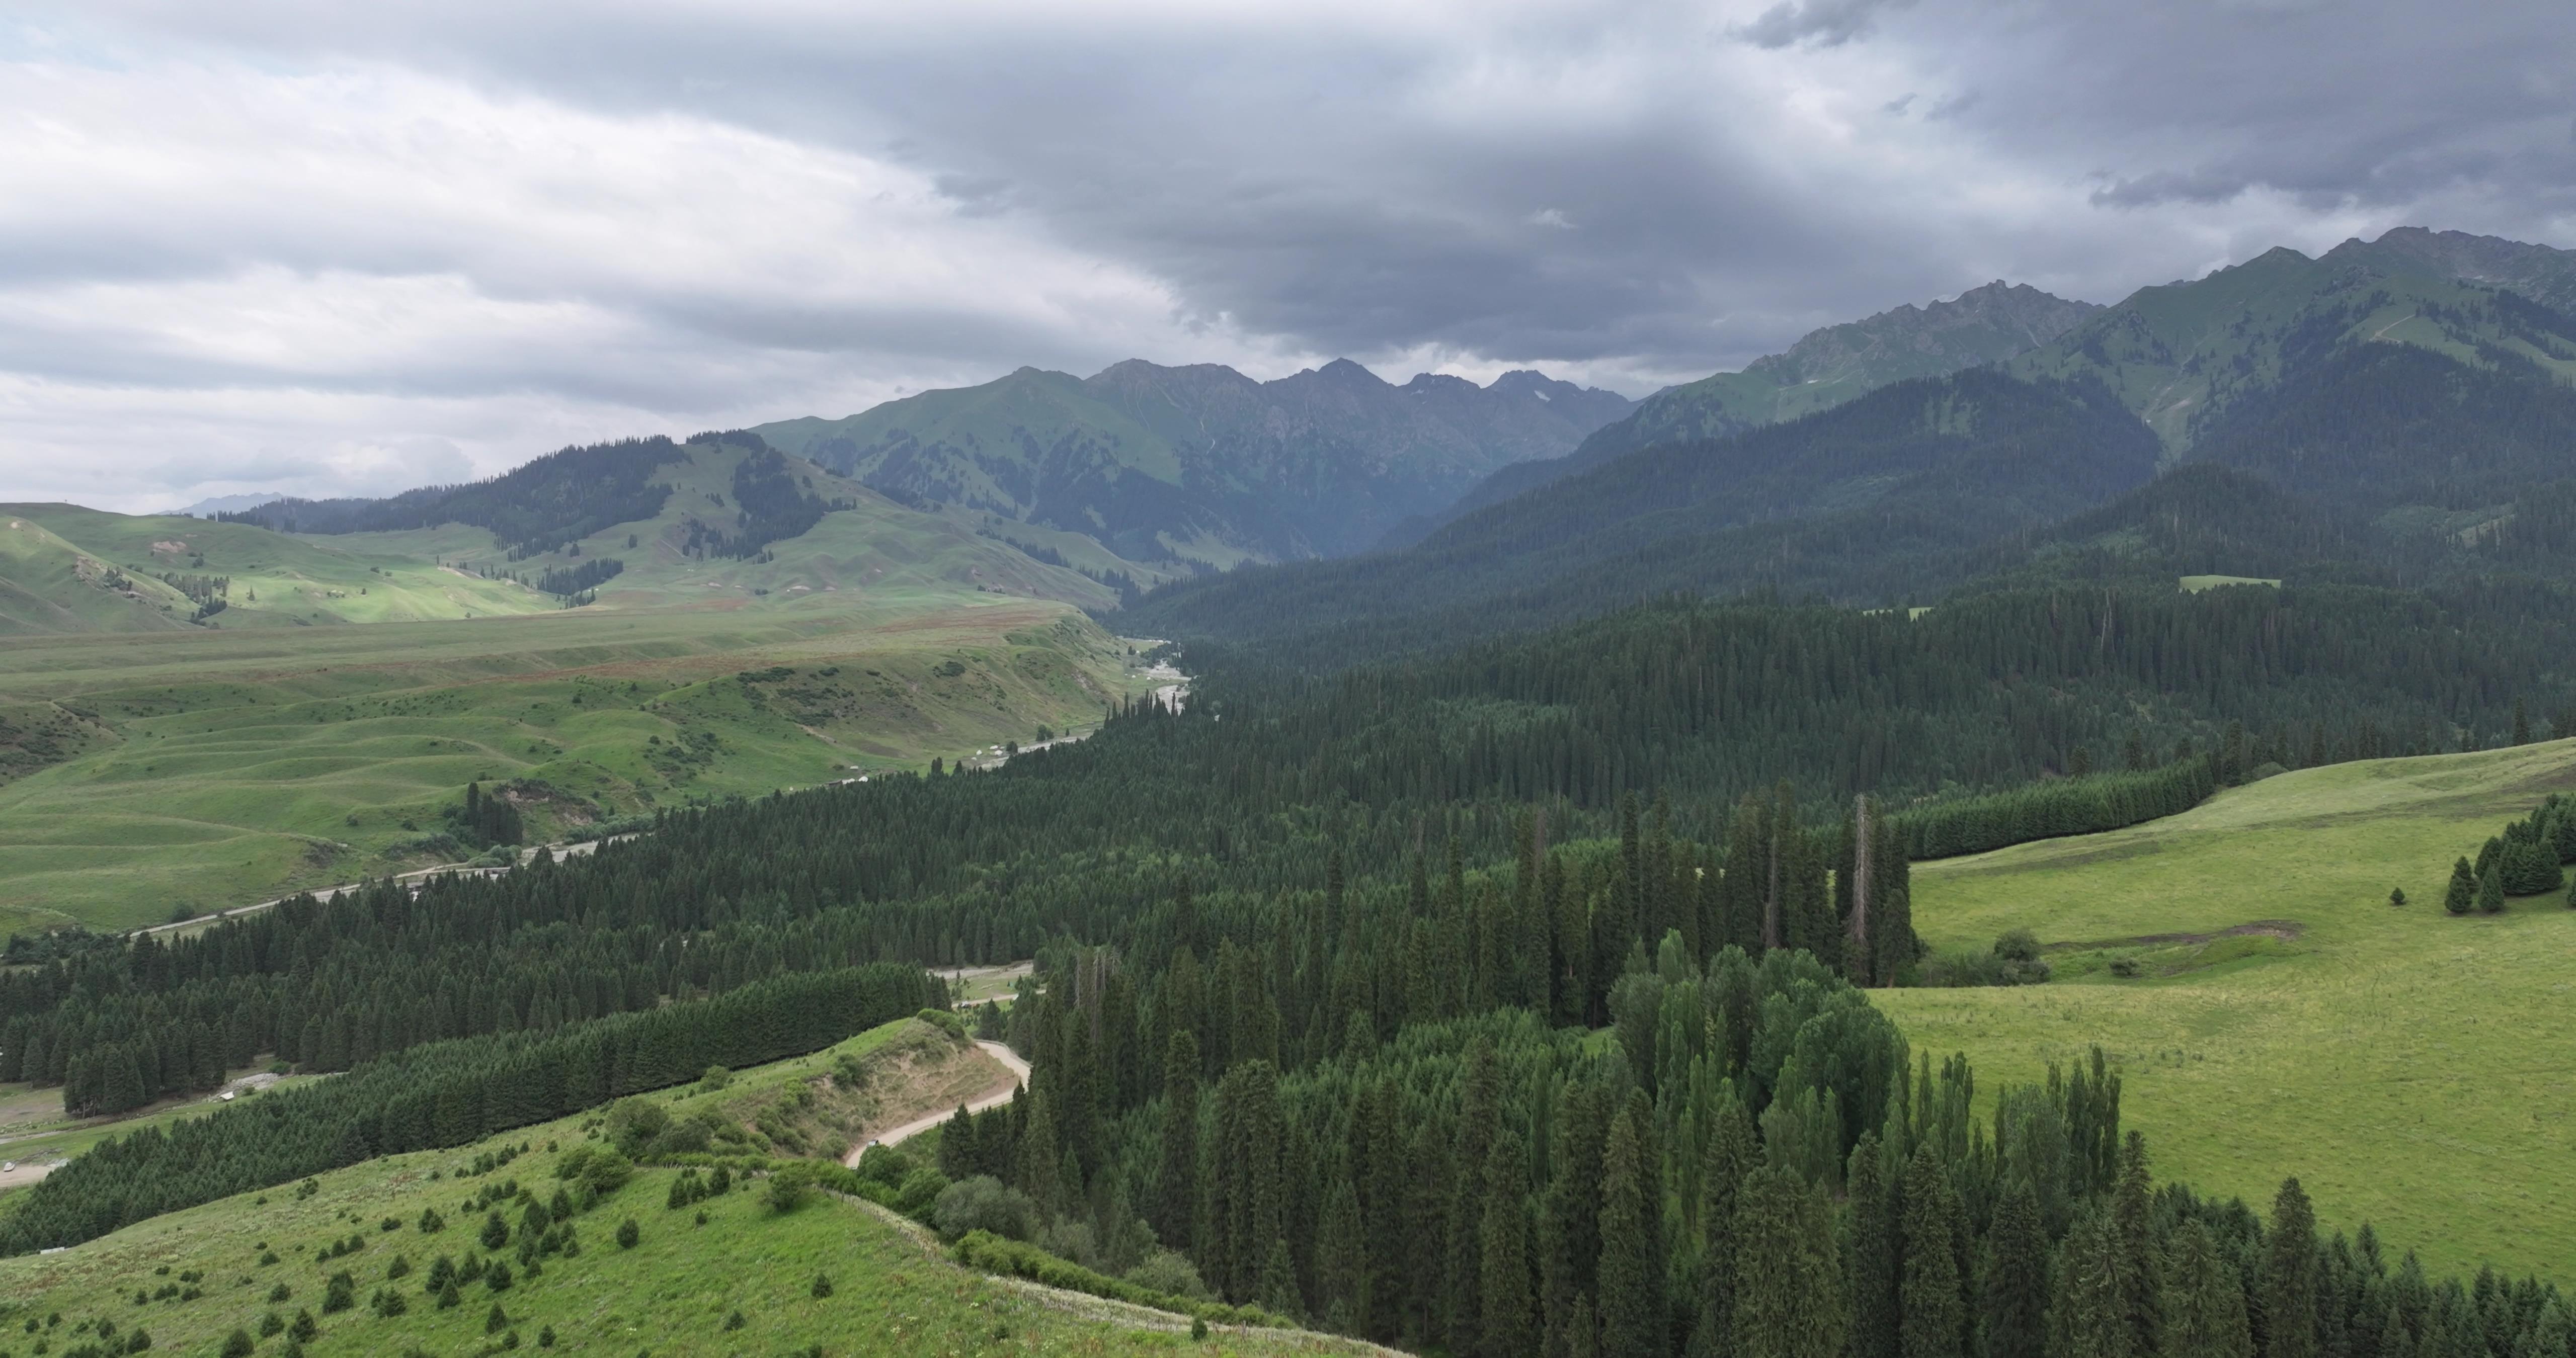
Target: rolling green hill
<point>2287,1019</point>
<point>212,769</point>
<point>267,579</point>
<point>49,585</point>
<point>726,1275</point>
<point>1201,462</point>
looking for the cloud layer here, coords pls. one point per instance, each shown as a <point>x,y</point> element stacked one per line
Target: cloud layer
<point>338,248</point>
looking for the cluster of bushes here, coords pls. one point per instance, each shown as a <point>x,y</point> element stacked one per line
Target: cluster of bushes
<point>2013,960</point>
<point>2526,860</point>
<point>996,1254</point>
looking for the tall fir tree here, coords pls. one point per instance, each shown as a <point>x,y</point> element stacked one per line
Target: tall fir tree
<point>1932,1324</point>
<point>2204,1303</point>
<point>2491,888</point>
<point>1509,1324</point>
<point>2290,1276</point>
<point>2090,1317</point>
<point>1631,1291</point>
<point>2131,1209</point>
<point>1875,1257</point>
<point>1788,1302</point>
<point>1731,1154</point>
<point>1341,1260</point>
<point>2013,1313</point>
<point>1176,1185</point>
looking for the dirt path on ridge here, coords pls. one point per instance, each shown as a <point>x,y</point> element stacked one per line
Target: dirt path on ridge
<point>994,1097</point>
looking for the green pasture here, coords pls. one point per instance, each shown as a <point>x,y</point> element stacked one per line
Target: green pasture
<point>675,1293</point>
<point>223,767</point>
<point>2414,1070</point>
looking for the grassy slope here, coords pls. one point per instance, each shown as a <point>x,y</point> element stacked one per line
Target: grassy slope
<point>2176,351</point>
<point>880,552</point>
<point>2409,1067</point>
<point>242,762</point>
<point>670,1295</point>
<point>49,585</point>
<point>298,581</point>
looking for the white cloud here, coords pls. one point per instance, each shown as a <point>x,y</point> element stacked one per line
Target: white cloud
<point>279,233</point>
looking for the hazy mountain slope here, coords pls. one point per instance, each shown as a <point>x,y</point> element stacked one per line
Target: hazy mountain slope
<point>1826,368</point>
<point>1201,462</point>
<point>2539,272</point>
<point>1848,502</point>
<point>2183,354</point>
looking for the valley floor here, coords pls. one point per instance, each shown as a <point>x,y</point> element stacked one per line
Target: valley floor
<point>2414,1070</point>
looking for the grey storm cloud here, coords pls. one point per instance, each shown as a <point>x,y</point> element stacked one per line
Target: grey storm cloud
<point>505,224</point>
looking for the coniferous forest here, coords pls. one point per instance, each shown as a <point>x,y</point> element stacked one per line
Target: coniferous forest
<point>1509,999</point>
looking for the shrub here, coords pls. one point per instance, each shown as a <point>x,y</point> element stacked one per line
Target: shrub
<point>497,1321</point>
<point>734,1321</point>
<point>546,1337</point>
<point>1171,1272</point>
<point>920,1191</point>
<point>983,1203</point>
<point>497,1277</point>
<point>496,1232</point>
<point>822,1285</point>
<point>340,1295</point>
<point>628,1233</point>
<point>271,1324</point>
<point>981,1249</point>
<point>304,1329</point>
<point>886,1165</point>
<point>238,1345</point>
<point>788,1185</point>
<point>716,1078</point>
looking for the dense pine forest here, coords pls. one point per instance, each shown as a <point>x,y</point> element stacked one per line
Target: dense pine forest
<point>1510,1000</point>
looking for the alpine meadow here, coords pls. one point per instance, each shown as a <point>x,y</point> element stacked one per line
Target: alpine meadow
<point>1749,680</point>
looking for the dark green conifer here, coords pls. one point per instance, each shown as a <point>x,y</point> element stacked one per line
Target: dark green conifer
<point>1875,1258</point>
<point>2491,889</point>
<point>2013,1314</point>
<point>1509,1326</point>
<point>2463,894</point>
<point>2290,1276</point>
<point>1631,1305</point>
<point>1341,1260</point>
<point>1933,1324</point>
<point>1789,1302</point>
<point>2204,1304</point>
<point>1731,1154</point>
<point>1176,1184</point>
<point>2090,1318</point>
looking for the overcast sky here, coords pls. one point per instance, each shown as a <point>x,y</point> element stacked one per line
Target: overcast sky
<point>325,247</point>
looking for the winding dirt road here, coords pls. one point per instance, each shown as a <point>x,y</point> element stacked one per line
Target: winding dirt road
<point>994,1097</point>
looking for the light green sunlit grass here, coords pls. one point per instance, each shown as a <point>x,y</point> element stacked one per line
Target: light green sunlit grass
<point>2413,1069</point>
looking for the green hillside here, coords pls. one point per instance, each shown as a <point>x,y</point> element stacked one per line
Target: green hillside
<point>49,585</point>
<point>2287,1019</point>
<point>870,550</point>
<point>2181,355</point>
<point>726,1275</point>
<point>216,768</point>
<point>269,579</point>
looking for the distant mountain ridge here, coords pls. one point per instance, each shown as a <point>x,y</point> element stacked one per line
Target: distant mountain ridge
<point>1824,369</point>
<point>1201,462</point>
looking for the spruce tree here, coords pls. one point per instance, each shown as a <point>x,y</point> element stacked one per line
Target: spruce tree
<point>1341,1260</point>
<point>2462,896</point>
<point>2290,1276</point>
<point>1789,1303</point>
<point>2139,1264</point>
<point>1875,1257</point>
<point>2491,889</point>
<point>1932,1324</point>
<point>2013,1314</point>
<point>1176,1185</point>
<point>1508,1327</point>
<point>1730,1155</point>
<point>2204,1304</point>
<point>2090,1318</point>
<point>1631,1294</point>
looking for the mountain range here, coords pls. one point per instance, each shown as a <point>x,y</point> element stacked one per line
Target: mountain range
<point>2404,405</point>
<point>1201,462</point>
